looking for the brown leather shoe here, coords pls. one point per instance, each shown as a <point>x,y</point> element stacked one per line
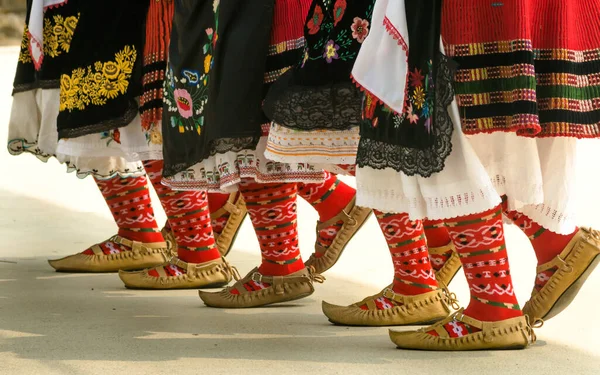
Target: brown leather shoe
<point>574,265</point>
<point>353,218</point>
<point>236,208</point>
<point>515,333</point>
<point>451,266</point>
<point>281,289</point>
<point>169,237</point>
<point>141,255</point>
<point>421,309</point>
<point>215,273</point>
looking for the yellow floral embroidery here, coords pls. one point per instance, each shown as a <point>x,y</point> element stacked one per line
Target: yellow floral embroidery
<point>57,37</point>
<point>24,56</point>
<point>156,136</point>
<point>95,85</point>
<point>207,63</point>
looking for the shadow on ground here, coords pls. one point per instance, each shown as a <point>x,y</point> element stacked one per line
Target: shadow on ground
<point>54,319</point>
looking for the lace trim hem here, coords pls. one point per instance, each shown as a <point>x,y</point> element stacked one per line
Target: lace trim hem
<point>21,146</point>
<point>412,161</point>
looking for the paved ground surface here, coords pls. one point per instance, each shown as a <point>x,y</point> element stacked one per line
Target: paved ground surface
<point>89,324</point>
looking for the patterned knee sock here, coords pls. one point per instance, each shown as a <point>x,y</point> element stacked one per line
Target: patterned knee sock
<point>130,205</point>
<point>412,270</point>
<point>479,241</point>
<point>546,244</point>
<point>216,201</point>
<point>329,199</point>
<point>189,218</point>
<point>272,209</point>
<point>437,236</point>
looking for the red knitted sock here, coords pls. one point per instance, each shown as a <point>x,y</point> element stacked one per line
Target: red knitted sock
<point>412,270</point>
<point>216,201</point>
<point>546,244</point>
<point>437,236</point>
<point>329,199</point>
<point>479,241</point>
<point>130,205</point>
<point>189,218</point>
<point>272,209</point>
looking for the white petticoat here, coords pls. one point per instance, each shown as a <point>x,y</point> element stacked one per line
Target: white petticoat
<point>333,147</point>
<point>462,188</point>
<point>135,143</point>
<point>224,172</point>
<point>537,175</point>
<point>32,129</point>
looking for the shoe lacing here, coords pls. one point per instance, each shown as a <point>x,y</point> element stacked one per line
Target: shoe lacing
<point>450,298</point>
<point>568,268</point>
<point>351,221</point>
<point>314,276</point>
<point>529,329</point>
<point>232,269</point>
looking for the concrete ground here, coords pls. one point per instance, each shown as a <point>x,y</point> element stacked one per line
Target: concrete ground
<point>54,323</point>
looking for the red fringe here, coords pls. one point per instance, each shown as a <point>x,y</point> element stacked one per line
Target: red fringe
<point>288,20</point>
<point>55,5</point>
<point>375,97</point>
<point>159,23</point>
<point>393,31</point>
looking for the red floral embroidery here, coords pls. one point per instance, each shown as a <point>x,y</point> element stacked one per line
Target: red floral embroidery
<point>338,11</point>
<point>360,29</point>
<point>416,78</point>
<point>117,136</point>
<point>314,24</point>
<point>369,107</point>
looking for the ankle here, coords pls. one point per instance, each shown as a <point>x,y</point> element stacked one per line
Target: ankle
<point>549,245</point>
<point>217,200</point>
<point>268,269</point>
<point>336,202</point>
<point>197,257</point>
<point>487,313</point>
<point>144,237</point>
<point>412,290</point>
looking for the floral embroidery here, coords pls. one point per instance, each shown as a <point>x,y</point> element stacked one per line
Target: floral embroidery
<point>186,95</point>
<point>331,51</point>
<point>416,78</point>
<point>314,24</point>
<point>58,35</point>
<point>338,11</point>
<point>24,56</point>
<point>186,103</point>
<point>419,100</point>
<point>155,136</point>
<point>111,135</point>
<point>370,103</point>
<point>99,83</point>
<point>419,96</point>
<point>360,29</point>
<point>336,43</point>
<point>207,63</point>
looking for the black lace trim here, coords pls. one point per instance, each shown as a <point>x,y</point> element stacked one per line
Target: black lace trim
<point>45,84</point>
<point>223,145</point>
<point>114,123</point>
<point>335,106</point>
<point>414,161</point>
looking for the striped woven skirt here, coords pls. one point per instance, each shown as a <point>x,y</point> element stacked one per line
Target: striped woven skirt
<point>526,66</point>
